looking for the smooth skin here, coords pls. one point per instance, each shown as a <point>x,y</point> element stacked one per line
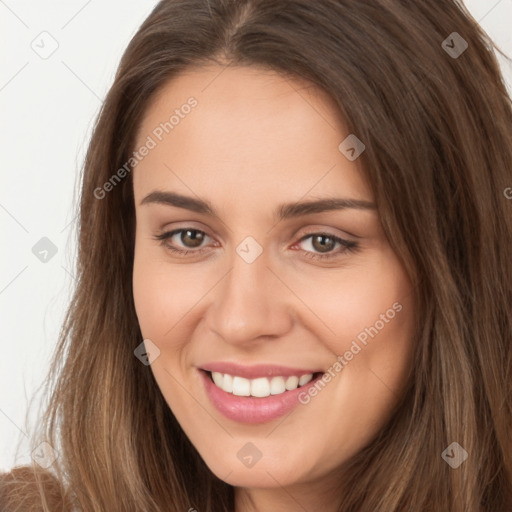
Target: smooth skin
<point>255,140</point>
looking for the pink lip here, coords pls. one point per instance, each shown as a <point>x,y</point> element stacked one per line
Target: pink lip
<point>255,371</point>
<point>250,409</point>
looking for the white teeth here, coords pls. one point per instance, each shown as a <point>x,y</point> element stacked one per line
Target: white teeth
<point>277,386</point>
<point>260,387</point>
<point>305,379</point>
<point>228,383</point>
<point>241,386</point>
<point>292,383</point>
<point>218,378</point>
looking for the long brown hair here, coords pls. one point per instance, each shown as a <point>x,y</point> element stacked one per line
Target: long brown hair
<point>437,130</point>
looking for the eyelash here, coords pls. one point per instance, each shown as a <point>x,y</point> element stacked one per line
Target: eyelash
<point>348,245</point>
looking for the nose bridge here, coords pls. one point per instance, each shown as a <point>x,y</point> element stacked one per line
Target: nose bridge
<point>249,303</point>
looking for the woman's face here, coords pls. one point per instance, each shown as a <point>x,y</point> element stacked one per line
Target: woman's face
<point>265,289</point>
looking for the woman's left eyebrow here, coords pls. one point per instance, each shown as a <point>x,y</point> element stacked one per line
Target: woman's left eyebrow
<point>283,211</point>
<point>290,210</point>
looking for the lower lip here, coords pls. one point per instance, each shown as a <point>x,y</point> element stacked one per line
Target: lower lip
<point>250,409</point>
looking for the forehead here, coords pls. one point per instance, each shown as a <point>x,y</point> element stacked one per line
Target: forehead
<point>251,130</point>
<point>241,88</point>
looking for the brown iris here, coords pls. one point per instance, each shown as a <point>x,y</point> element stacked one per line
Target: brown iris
<point>322,246</point>
<point>194,235</point>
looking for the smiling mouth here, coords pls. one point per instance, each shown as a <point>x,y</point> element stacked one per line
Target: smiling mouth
<point>260,387</point>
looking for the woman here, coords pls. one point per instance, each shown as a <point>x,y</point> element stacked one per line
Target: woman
<point>294,270</point>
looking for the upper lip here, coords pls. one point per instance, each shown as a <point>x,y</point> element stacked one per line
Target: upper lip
<point>256,371</point>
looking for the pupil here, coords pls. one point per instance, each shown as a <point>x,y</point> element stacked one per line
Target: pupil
<point>322,247</point>
<point>194,235</point>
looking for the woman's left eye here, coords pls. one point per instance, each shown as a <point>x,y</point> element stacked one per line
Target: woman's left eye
<point>325,243</point>
<point>322,245</point>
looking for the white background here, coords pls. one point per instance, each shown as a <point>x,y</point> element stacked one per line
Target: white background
<point>47,109</point>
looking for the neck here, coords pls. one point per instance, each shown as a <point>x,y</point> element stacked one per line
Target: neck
<point>300,497</point>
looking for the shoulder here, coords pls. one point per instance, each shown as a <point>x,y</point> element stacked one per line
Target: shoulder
<point>26,488</point>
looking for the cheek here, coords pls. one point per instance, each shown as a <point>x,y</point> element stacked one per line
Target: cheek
<point>163,294</point>
<point>354,303</point>
<point>154,306</point>
<point>367,315</point>
<point>162,300</point>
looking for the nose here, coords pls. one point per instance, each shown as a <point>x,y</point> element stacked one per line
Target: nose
<point>250,304</point>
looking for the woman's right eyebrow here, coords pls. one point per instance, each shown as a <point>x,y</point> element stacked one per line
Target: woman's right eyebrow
<point>283,211</point>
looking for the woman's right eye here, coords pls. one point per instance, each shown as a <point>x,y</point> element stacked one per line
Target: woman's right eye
<point>191,238</point>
